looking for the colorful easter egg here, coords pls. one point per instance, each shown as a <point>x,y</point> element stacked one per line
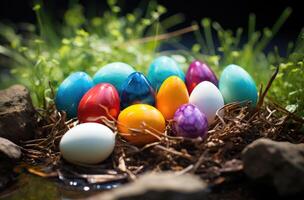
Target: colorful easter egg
<point>87,143</point>
<point>100,101</point>
<point>190,122</point>
<point>114,73</point>
<point>236,85</point>
<point>141,124</point>
<point>198,72</point>
<point>137,89</point>
<point>161,68</point>
<point>172,94</point>
<point>71,91</point>
<point>207,97</point>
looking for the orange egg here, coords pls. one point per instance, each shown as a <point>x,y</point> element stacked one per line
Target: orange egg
<point>141,124</point>
<point>172,94</point>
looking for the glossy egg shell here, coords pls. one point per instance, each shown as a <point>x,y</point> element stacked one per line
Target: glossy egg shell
<point>141,117</point>
<point>190,122</point>
<point>101,100</point>
<point>161,68</point>
<point>114,73</point>
<point>236,85</point>
<point>198,72</point>
<point>88,143</point>
<point>172,94</point>
<point>207,97</point>
<point>70,92</point>
<point>137,89</point>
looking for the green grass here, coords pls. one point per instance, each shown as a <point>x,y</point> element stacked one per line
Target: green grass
<point>46,56</point>
<point>46,53</point>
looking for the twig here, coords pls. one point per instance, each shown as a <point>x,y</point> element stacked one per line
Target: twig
<point>261,99</point>
<point>164,36</point>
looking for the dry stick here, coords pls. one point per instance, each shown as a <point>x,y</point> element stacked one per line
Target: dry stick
<point>261,100</point>
<point>198,163</point>
<point>185,170</point>
<point>282,109</point>
<point>164,36</point>
<point>183,155</point>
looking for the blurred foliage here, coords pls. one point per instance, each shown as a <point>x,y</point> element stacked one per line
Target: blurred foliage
<point>38,60</point>
<point>287,89</point>
<point>42,57</point>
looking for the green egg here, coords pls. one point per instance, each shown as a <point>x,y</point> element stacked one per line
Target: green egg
<point>236,85</point>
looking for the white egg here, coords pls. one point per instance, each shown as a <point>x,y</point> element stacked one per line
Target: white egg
<point>207,98</point>
<point>88,143</point>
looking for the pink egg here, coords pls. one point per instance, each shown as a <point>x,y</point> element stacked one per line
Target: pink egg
<point>198,72</point>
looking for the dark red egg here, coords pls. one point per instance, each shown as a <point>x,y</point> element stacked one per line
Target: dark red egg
<point>198,72</point>
<point>101,100</point>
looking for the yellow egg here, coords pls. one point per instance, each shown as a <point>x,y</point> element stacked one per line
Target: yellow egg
<point>172,94</point>
<point>141,124</point>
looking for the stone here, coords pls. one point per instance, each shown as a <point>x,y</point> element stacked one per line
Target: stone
<point>9,150</point>
<point>160,186</point>
<point>280,164</point>
<point>10,153</point>
<point>17,114</point>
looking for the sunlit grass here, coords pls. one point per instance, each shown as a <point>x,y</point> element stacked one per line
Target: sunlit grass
<point>45,54</point>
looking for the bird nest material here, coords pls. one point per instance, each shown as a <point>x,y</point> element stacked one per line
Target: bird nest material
<point>212,157</point>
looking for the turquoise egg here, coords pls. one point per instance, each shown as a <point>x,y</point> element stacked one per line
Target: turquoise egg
<point>236,85</point>
<point>161,68</point>
<point>71,91</point>
<point>137,89</point>
<point>114,73</point>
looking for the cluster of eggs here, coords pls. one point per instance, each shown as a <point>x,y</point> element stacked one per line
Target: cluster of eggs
<point>141,105</point>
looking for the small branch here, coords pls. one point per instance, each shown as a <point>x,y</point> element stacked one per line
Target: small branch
<point>164,36</point>
<point>261,99</point>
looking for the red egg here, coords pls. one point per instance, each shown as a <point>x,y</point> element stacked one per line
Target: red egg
<point>198,72</point>
<point>101,100</point>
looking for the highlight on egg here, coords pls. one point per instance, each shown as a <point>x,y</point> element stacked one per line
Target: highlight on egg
<point>190,122</point>
<point>207,97</point>
<point>114,73</point>
<point>161,68</point>
<point>87,143</point>
<point>198,72</point>
<point>171,95</point>
<point>70,92</point>
<point>141,124</point>
<point>100,101</point>
<point>236,85</point>
<point>137,89</point>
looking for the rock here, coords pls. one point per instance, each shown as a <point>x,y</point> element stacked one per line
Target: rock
<point>160,186</point>
<point>280,164</point>
<point>9,154</point>
<point>9,150</point>
<point>17,114</point>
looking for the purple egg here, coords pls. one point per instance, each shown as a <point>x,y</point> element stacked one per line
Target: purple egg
<point>190,122</point>
<point>198,72</point>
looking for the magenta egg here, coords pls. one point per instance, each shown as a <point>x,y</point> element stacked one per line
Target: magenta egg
<point>198,72</point>
<point>190,122</point>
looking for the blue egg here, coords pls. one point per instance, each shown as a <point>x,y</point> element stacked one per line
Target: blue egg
<point>137,89</point>
<point>114,73</point>
<point>236,85</point>
<point>161,68</point>
<point>71,91</point>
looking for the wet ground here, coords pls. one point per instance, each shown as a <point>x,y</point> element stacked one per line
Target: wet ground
<point>31,187</point>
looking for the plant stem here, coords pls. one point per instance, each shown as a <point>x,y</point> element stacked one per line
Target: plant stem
<point>208,34</point>
<point>251,25</point>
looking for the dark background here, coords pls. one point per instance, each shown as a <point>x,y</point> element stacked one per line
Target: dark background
<point>229,13</point>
